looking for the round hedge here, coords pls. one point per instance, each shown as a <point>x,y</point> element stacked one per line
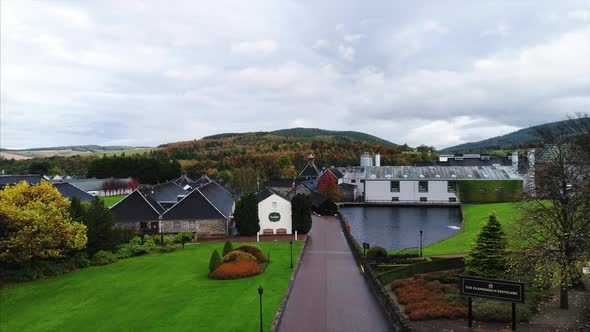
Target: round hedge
<point>238,256</point>
<point>254,251</point>
<point>236,270</point>
<point>376,252</point>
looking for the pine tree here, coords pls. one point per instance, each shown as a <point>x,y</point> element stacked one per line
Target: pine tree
<point>76,209</point>
<point>301,213</point>
<point>488,255</point>
<point>246,215</point>
<point>227,247</point>
<point>99,221</point>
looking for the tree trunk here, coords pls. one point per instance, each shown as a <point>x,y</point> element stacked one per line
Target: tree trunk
<point>563,296</point>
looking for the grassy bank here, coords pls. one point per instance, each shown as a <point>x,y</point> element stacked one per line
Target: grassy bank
<point>473,217</point>
<point>156,292</point>
<point>112,200</point>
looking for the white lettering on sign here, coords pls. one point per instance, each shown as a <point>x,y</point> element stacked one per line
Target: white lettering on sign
<point>490,290</point>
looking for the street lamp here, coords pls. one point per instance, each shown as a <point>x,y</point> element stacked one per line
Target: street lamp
<point>260,290</point>
<point>291,243</point>
<point>421,243</point>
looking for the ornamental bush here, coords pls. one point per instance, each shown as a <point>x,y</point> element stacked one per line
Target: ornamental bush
<point>214,261</point>
<point>376,252</point>
<point>238,256</point>
<point>235,270</point>
<point>184,237</point>
<point>254,251</point>
<point>227,247</point>
<point>103,258</point>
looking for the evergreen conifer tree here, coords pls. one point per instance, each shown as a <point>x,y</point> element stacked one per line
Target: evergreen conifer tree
<point>246,215</point>
<point>488,255</point>
<point>301,213</point>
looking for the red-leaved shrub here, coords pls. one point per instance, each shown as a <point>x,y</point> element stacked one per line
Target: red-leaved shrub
<point>236,270</point>
<point>254,251</point>
<point>238,256</point>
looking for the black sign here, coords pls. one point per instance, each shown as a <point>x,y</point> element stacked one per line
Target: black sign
<point>503,290</point>
<point>366,245</point>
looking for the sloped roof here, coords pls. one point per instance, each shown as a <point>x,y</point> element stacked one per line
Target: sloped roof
<point>166,192</point>
<point>220,198</point>
<point>14,179</point>
<point>282,183</point>
<point>441,173</point>
<point>193,206</point>
<point>68,191</point>
<point>136,207</point>
<point>184,180</point>
<point>336,172</point>
<point>310,170</point>
<point>266,193</point>
<point>92,184</point>
<point>203,180</point>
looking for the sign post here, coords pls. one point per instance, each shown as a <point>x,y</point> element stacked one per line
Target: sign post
<point>502,290</point>
<point>365,247</point>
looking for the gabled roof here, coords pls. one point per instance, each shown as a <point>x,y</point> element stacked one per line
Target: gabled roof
<point>336,172</point>
<point>220,198</point>
<point>92,184</point>
<point>136,207</point>
<point>193,206</point>
<point>184,180</point>
<point>282,183</point>
<point>203,180</point>
<point>14,179</point>
<point>68,191</point>
<point>266,193</point>
<point>164,193</point>
<point>310,170</point>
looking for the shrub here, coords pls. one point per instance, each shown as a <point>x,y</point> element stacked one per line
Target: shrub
<point>130,250</point>
<point>254,251</point>
<point>183,237</point>
<point>238,256</point>
<point>103,258</point>
<point>166,248</point>
<point>214,261</point>
<point>227,247</point>
<point>149,244</point>
<point>236,270</point>
<point>376,252</point>
<point>136,240</point>
<point>432,309</point>
<point>80,260</point>
<point>497,311</point>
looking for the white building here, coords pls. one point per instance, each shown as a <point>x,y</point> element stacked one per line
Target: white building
<point>274,213</point>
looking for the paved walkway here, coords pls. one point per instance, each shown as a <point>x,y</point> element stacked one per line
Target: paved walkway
<point>329,292</point>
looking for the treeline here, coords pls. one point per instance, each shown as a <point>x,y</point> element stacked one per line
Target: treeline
<point>146,169</point>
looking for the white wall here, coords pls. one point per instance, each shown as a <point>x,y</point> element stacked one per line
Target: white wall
<point>381,191</point>
<point>283,207</point>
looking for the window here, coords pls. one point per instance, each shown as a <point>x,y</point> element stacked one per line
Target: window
<point>192,225</point>
<point>452,186</point>
<point>423,199</point>
<point>353,181</point>
<point>177,225</point>
<point>452,199</point>
<point>395,199</point>
<point>143,226</point>
<point>395,186</point>
<point>274,205</point>
<point>423,186</point>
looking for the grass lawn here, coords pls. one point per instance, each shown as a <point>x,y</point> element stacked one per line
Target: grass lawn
<point>112,200</point>
<point>157,292</point>
<point>473,217</point>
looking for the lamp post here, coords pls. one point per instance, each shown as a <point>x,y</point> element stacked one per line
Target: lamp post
<point>421,243</point>
<point>291,243</point>
<point>260,290</point>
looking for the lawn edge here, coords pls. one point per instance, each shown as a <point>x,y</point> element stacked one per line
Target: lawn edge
<point>279,315</point>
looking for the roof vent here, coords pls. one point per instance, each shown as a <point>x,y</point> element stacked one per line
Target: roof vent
<point>469,176</point>
<point>373,176</point>
<point>421,176</point>
<point>431,167</point>
<point>405,176</point>
<point>453,176</point>
<point>388,176</point>
<point>438,175</point>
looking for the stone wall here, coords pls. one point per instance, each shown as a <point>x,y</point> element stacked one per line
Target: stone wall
<point>204,228</point>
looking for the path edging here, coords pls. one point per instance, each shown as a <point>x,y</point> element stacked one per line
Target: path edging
<point>279,315</point>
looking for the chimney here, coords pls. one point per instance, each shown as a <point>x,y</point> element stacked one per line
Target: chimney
<point>515,159</point>
<point>530,156</point>
<point>377,159</point>
<point>310,159</point>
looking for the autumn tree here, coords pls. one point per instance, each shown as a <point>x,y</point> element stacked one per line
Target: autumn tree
<point>36,224</point>
<point>556,224</point>
<point>246,215</point>
<point>286,167</point>
<point>328,185</point>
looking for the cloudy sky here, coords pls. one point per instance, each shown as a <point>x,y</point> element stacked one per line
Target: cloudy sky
<point>418,72</point>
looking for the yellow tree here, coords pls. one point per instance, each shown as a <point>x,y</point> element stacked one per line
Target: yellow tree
<point>35,224</point>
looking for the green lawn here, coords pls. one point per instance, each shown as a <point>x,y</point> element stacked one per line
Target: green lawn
<point>112,200</point>
<point>473,217</point>
<point>158,292</point>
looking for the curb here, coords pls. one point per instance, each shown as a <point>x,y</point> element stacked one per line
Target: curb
<point>279,315</point>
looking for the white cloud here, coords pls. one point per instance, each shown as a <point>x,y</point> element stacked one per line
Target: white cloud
<point>346,52</point>
<point>501,29</point>
<point>353,37</point>
<point>260,47</point>
<point>321,44</point>
<point>579,14</point>
<point>435,26</point>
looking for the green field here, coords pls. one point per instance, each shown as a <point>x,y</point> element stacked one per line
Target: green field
<point>473,217</point>
<point>157,292</point>
<point>112,200</point>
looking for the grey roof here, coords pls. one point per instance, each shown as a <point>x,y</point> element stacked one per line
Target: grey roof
<point>136,207</point>
<point>439,173</point>
<point>266,193</point>
<point>184,180</point>
<point>310,170</point>
<point>14,179</point>
<point>68,191</point>
<point>90,184</point>
<point>220,198</point>
<point>336,172</point>
<point>164,193</point>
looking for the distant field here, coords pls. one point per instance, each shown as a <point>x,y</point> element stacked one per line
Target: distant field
<point>27,154</point>
<point>157,292</point>
<point>112,200</point>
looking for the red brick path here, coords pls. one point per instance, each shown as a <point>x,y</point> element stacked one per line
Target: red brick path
<point>329,292</point>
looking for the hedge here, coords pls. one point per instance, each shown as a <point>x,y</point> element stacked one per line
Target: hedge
<point>421,268</point>
<point>489,191</point>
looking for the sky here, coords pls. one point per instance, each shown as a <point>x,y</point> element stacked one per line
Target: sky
<point>144,73</point>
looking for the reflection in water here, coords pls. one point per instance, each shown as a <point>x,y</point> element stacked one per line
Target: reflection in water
<point>397,228</point>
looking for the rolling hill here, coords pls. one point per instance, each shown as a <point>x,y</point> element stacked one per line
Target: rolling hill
<point>66,151</point>
<point>523,138</point>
